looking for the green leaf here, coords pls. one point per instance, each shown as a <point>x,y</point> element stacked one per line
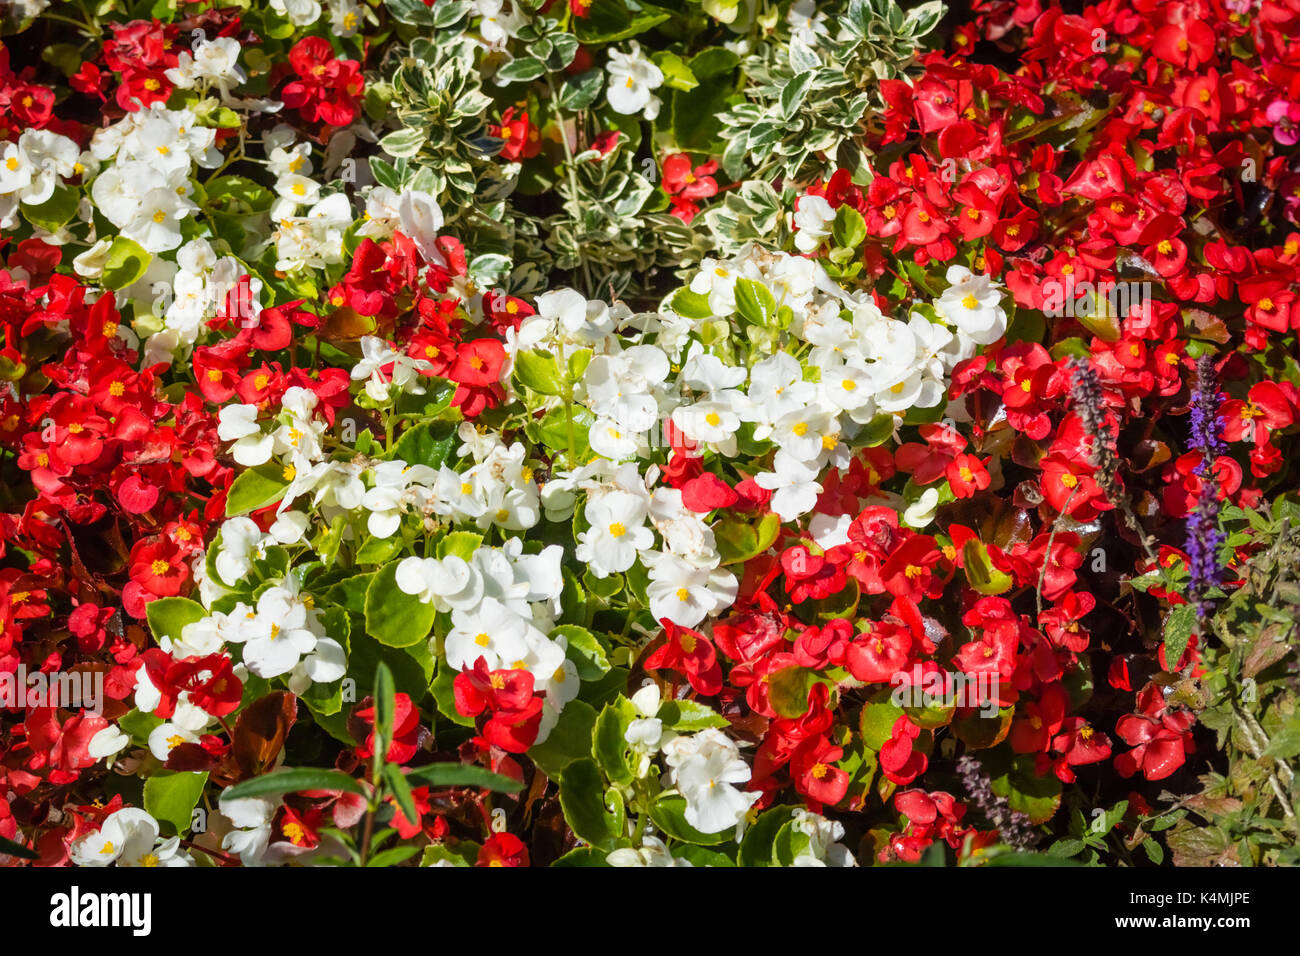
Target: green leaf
<point>1286,742</point>
<point>792,95</point>
<point>459,544</point>
<point>256,488</point>
<point>702,856</point>
<point>1021,786</point>
<point>876,723</point>
<point>444,694</point>
<point>127,262</point>
<point>57,211</point>
<point>378,550</point>
<point>609,744</point>
<point>690,305</point>
<point>462,775</point>
<point>583,856</point>
<point>754,302</point>
<point>688,716</point>
<point>138,725</point>
<point>397,785</point>
<point>385,702</point>
<point>173,796</point>
<point>981,574</point>
<point>411,11</point>
<point>521,70</point>
<point>464,853</point>
<point>756,847</point>
<point>790,843</point>
<point>580,91</point>
<point>669,815</point>
<point>581,798</point>
<point>849,229</point>
<point>788,690</point>
<point>1178,630</point>
<point>677,75</point>
<point>610,20</point>
<point>403,143</point>
<point>739,539</point>
<point>394,855</point>
<point>429,443</point>
<point>394,617</point>
<point>569,740</point>
<point>10,848</point>
<point>168,616</point>
<point>538,371</point>
<point>924,18</point>
<point>294,781</point>
<point>1066,848</point>
<point>585,650</point>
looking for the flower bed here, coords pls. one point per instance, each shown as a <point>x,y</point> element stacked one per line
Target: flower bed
<point>723,433</point>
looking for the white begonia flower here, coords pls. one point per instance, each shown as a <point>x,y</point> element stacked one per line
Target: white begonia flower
<point>653,852</point>
<point>382,215</point>
<point>974,305</point>
<point>565,316</point>
<point>804,433</point>
<point>847,385</point>
<point>126,837</point>
<point>685,532</point>
<point>717,280</point>
<point>238,424</point>
<point>420,218</point>
<point>147,696</point>
<point>616,534</point>
<point>491,631</point>
<point>297,191</point>
<point>632,78</point>
<point>497,25</point>
<point>405,373</point>
<point>794,486</point>
<point>278,635</point>
<point>90,264</point>
<point>806,23</point>
<point>251,819</point>
<point>184,727</point>
<point>608,438</point>
<point>686,594</point>
<point>897,389</point>
<point>619,386</point>
<point>822,849</point>
<point>205,636</point>
<point>345,17</point>
<point>242,541</point>
<point>325,664</point>
<point>921,512</point>
<point>398,486</point>
<point>107,742</point>
<point>289,160</point>
<point>300,13</point>
<point>290,527</point>
<point>449,583</point>
<point>645,733</point>
<point>812,220</point>
<point>212,61</point>
<point>705,372</point>
<point>704,767</point>
<point>711,423</point>
<point>315,240</point>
